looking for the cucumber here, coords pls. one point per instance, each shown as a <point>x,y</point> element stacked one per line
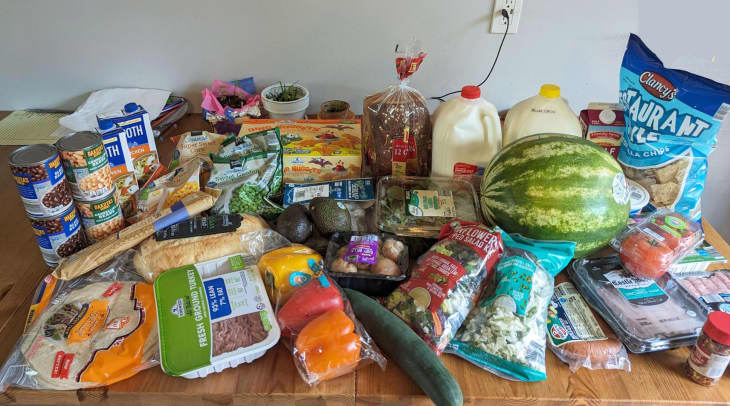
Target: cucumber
<point>408,350</point>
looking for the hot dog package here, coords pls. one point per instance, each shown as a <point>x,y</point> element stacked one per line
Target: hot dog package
<point>578,336</point>
<point>672,119</point>
<point>649,247</point>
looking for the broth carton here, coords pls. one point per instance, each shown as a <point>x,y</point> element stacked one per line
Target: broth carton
<point>603,124</point>
<point>135,121</point>
<point>120,163</point>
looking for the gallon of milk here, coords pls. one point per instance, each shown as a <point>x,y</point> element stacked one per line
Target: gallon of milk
<point>546,112</point>
<point>466,134</point>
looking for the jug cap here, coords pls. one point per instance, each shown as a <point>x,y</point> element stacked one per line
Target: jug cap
<point>471,92</point>
<point>550,91</point>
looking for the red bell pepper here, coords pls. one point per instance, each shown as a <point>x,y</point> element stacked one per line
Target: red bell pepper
<point>308,302</point>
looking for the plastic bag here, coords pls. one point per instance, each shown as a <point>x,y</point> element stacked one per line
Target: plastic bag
<point>250,177</point>
<point>396,123</point>
<point>505,333</point>
<point>672,120</point>
<point>90,331</point>
<point>247,104</point>
<point>168,189</point>
<point>196,144</point>
<point>650,247</point>
<point>578,336</point>
<point>325,337</point>
<point>446,281</point>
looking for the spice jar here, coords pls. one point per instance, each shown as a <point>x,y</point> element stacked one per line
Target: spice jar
<point>710,355</point>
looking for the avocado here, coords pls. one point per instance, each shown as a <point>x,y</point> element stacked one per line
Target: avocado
<point>294,223</point>
<point>329,215</point>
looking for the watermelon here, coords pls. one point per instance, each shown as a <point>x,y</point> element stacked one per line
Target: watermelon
<point>556,187</point>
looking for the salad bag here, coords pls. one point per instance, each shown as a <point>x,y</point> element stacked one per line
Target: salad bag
<point>91,331</point>
<point>396,123</point>
<point>672,119</point>
<point>319,326</point>
<point>505,332</point>
<point>446,281</point>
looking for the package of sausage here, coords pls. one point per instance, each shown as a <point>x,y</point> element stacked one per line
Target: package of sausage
<point>710,289</point>
<point>577,335</point>
<point>647,315</point>
<point>672,119</point>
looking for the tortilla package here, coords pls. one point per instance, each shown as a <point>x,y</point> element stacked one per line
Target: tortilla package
<point>505,333</point>
<point>446,282</point>
<point>672,120</point>
<point>92,331</point>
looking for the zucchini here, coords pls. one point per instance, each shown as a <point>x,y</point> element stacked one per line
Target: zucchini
<point>407,349</point>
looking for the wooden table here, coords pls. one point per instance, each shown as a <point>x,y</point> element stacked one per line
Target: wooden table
<point>273,380</point>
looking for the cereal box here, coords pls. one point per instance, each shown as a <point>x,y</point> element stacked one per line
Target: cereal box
<point>315,150</point>
<point>603,124</point>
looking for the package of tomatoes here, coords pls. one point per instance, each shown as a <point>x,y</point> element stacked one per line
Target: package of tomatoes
<point>649,247</point>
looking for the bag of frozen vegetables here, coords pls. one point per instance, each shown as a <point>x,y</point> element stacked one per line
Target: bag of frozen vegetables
<point>446,281</point>
<point>250,177</point>
<point>505,332</point>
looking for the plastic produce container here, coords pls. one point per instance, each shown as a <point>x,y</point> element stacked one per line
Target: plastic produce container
<point>419,207</point>
<point>212,316</point>
<point>365,280</point>
<point>647,315</point>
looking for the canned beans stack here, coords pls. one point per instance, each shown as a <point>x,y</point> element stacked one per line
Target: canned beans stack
<point>42,186</point>
<point>86,164</point>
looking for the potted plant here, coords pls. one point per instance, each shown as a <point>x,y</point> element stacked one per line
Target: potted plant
<point>285,100</point>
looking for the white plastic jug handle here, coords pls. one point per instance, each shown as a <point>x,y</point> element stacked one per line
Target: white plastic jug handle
<point>493,135</point>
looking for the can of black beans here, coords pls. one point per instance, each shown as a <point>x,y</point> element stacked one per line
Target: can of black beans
<point>59,236</point>
<point>40,179</point>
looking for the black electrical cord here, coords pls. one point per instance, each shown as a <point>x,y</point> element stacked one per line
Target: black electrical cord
<point>505,14</point>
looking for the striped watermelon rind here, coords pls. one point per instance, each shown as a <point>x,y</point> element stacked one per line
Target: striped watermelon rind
<point>556,187</point>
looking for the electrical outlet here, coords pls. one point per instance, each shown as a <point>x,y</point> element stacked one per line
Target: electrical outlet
<point>499,23</point>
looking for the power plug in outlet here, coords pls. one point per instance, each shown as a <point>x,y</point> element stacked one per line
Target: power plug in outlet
<point>499,23</point>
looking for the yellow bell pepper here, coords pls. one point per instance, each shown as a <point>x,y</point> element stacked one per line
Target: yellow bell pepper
<point>287,268</point>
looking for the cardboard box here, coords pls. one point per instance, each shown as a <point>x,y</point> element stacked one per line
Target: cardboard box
<point>603,124</point>
<point>316,150</point>
<point>135,121</point>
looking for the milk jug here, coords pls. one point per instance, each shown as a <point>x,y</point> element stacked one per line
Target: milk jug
<point>466,134</point>
<point>545,113</point>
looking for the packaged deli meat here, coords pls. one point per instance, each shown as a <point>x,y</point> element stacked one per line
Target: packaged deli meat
<point>396,123</point>
<point>577,335</point>
<point>213,315</point>
<point>505,332</point>
<point>672,119</point>
<point>647,315</point>
<point>655,242</point>
<point>92,331</point>
<point>710,289</point>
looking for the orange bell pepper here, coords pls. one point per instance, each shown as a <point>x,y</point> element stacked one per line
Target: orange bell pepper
<point>328,346</point>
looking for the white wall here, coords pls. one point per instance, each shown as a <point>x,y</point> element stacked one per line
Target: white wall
<point>53,53</point>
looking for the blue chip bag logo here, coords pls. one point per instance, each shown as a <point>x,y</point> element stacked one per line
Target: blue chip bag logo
<point>657,85</point>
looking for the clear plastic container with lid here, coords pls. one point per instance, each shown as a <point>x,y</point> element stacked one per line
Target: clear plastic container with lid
<point>546,112</point>
<point>466,134</point>
<point>419,207</point>
<point>710,355</point>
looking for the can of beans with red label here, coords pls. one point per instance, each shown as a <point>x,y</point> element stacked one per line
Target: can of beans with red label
<point>40,178</point>
<point>86,165</point>
<point>100,217</point>
<point>59,236</point>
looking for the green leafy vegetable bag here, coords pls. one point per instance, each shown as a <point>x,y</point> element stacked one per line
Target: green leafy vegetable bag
<point>505,333</point>
<point>250,176</point>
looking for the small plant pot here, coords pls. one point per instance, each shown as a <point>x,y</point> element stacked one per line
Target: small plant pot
<point>293,109</point>
<point>335,109</point>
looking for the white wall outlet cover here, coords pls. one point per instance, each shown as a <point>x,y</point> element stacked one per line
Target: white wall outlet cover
<point>499,22</point>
